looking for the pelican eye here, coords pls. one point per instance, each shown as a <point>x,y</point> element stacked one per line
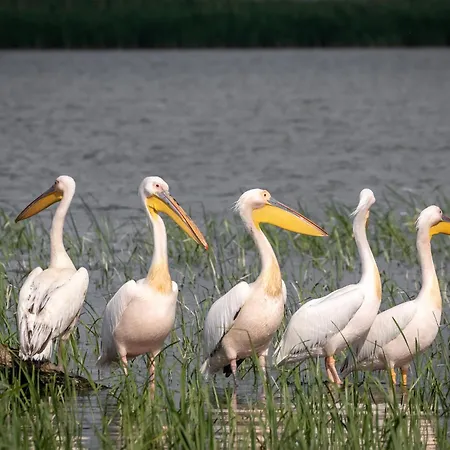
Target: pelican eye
<point>157,185</point>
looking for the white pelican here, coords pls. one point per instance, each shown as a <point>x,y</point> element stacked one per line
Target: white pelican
<point>243,321</point>
<point>141,314</point>
<point>399,333</point>
<point>50,300</point>
<point>327,325</point>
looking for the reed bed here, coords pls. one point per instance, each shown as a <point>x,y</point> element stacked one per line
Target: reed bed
<point>300,410</point>
<point>215,23</point>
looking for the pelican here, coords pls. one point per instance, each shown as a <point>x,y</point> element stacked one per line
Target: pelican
<point>243,321</point>
<point>141,314</point>
<point>50,300</point>
<point>401,332</point>
<point>327,325</point>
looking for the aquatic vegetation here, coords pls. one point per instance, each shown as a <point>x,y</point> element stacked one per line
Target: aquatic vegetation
<point>214,23</point>
<point>301,410</point>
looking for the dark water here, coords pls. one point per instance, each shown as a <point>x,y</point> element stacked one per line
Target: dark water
<point>310,126</point>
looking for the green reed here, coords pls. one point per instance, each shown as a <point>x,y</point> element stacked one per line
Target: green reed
<point>300,410</point>
<point>215,23</point>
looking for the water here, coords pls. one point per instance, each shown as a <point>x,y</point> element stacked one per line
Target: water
<point>311,126</point>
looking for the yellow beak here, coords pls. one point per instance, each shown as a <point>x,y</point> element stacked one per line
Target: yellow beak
<point>275,213</point>
<point>49,197</point>
<point>166,204</point>
<point>443,227</point>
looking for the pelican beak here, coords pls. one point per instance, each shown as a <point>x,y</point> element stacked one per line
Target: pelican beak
<point>165,203</point>
<point>442,227</point>
<point>275,213</point>
<point>46,199</point>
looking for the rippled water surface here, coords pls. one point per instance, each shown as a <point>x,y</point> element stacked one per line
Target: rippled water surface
<point>311,126</point>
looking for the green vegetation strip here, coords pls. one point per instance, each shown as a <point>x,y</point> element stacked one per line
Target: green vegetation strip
<point>300,411</point>
<point>217,23</point>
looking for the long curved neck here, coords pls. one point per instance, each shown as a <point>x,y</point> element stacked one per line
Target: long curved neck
<point>430,286</point>
<point>369,268</point>
<point>158,276</point>
<point>270,275</point>
<point>58,256</point>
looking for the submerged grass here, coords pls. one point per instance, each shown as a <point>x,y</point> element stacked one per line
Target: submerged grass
<point>300,411</point>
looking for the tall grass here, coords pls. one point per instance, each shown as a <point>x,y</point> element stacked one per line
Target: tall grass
<point>300,411</point>
<point>215,23</point>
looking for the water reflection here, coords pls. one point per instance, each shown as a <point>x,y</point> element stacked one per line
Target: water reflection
<point>248,423</point>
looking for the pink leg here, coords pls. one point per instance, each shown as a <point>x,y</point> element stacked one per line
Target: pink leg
<point>331,370</point>
<point>60,366</point>
<point>233,366</point>
<point>262,363</point>
<point>124,364</point>
<point>151,375</point>
<point>329,374</point>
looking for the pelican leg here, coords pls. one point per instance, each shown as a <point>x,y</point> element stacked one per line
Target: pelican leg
<point>233,366</point>
<point>393,376</point>
<point>262,363</point>
<point>404,371</point>
<point>60,366</point>
<point>331,370</point>
<point>329,374</point>
<point>124,364</point>
<point>151,376</point>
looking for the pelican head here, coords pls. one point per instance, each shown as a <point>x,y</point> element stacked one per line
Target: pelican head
<point>64,185</point>
<point>155,194</point>
<point>258,206</point>
<point>433,219</point>
<point>366,200</point>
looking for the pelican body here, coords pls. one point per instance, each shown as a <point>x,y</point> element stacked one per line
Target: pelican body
<point>244,320</point>
<point>50,300</point>
<point>141,314</point>
<point>401,332</point>
<point>327,325</point>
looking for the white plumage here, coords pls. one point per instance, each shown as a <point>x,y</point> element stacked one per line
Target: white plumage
<point>50,300</point>
<point>399,333</point>
<point>137,320</point>
<point>325,326</point>
<point>141,314</point>
<point>222,315</point>
<point>312,327</point>
<point>242,322</point>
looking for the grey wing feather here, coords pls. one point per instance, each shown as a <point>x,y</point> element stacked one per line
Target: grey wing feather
<point>111,318</point>
<point>24,322</point>
<point>316,322</point>
<point>50,312</point>
<point>222,315</point>
<point>387,326</point>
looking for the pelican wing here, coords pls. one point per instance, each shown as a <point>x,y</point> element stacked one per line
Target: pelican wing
<point>25,295</point>
<point>317,321</point>
<point>386,327</point>
<point>111,318</point>
<point>222,315</point>
<point>48,308</point>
